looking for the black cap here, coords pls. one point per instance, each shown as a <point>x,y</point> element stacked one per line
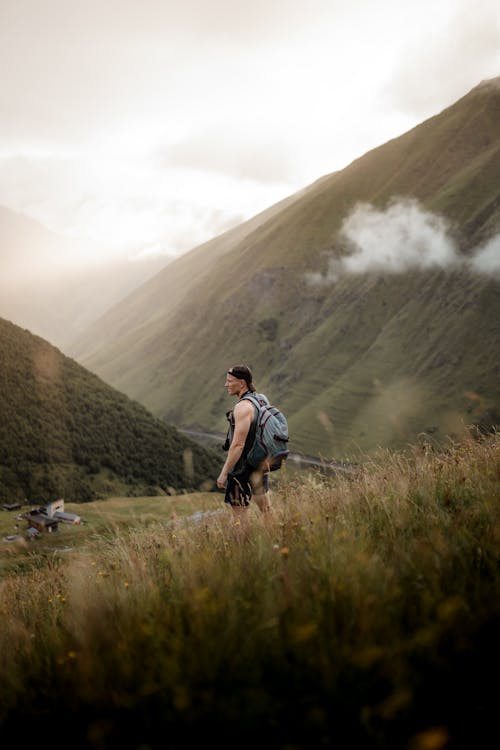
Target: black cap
<point>242,372</point>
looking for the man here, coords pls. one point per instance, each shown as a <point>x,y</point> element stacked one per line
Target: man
<point>241,481</point>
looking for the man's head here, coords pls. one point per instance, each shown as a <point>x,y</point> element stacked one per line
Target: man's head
<point>239,377</point>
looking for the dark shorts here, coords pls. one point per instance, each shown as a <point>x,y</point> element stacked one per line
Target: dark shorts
<point>243,484</point>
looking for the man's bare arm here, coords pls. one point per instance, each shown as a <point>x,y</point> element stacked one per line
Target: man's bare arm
<point>243,415</point>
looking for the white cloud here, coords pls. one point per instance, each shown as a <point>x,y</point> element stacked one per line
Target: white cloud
<point>486,259</point>
<point>403,237</point>
<point>400,238</point>
<point>125,206</point>
<point>241,151</point>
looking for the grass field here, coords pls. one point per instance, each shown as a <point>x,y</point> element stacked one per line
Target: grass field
<point>101,517</point>
<point>364,611</point>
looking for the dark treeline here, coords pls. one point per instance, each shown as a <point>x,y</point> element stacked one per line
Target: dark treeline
<point>64,432</point>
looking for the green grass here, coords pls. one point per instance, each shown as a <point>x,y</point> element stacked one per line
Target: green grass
<point>362,612</point>
<point>101,518</point>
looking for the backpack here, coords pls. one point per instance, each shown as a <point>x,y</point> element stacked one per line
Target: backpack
<point>270,446</point>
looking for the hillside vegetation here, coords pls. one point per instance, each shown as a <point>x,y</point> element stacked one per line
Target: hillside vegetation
<point>356,360</point>
<point>363,612</point>
<point>66,433</point>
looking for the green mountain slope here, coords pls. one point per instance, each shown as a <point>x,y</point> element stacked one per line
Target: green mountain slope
<point>358,360</point>
<point>66,433</point>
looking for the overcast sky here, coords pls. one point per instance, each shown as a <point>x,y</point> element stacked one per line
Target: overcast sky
<point>153,125</point>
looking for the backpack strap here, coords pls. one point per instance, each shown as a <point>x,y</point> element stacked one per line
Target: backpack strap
<point>255,398</point>
<point>230,428</point>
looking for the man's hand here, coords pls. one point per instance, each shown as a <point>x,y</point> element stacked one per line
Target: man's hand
<point>222,479</point>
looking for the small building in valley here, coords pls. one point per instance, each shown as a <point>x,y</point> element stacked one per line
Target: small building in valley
<point>11,506</point>
<point>56,506</point>
<point>41,522</point>
<point>59,515</point>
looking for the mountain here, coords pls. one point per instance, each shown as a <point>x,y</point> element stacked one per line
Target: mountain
<point>42,288</point>
<point>368,305</point>
<point>66,433</point>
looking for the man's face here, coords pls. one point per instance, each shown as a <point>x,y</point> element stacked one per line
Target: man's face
<point>233,385</point>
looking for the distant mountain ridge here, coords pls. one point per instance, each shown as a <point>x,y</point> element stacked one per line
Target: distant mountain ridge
<point>356,360</point>
<point>42,288</point>
<point>66,433</point>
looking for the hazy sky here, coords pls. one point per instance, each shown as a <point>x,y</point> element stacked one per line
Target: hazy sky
<point>153,125</point>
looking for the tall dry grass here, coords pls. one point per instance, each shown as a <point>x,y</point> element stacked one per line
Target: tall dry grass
<point>363,612</point>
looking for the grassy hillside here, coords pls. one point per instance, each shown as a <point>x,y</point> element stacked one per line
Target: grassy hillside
<point>369,359</point>
<point>66,433</point>
<point>362,613</point>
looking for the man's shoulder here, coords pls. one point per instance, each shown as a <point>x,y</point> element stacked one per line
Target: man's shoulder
<point>243,404</point>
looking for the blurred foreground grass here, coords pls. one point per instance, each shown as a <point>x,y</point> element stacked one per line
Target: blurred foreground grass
<point>363,612</point>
